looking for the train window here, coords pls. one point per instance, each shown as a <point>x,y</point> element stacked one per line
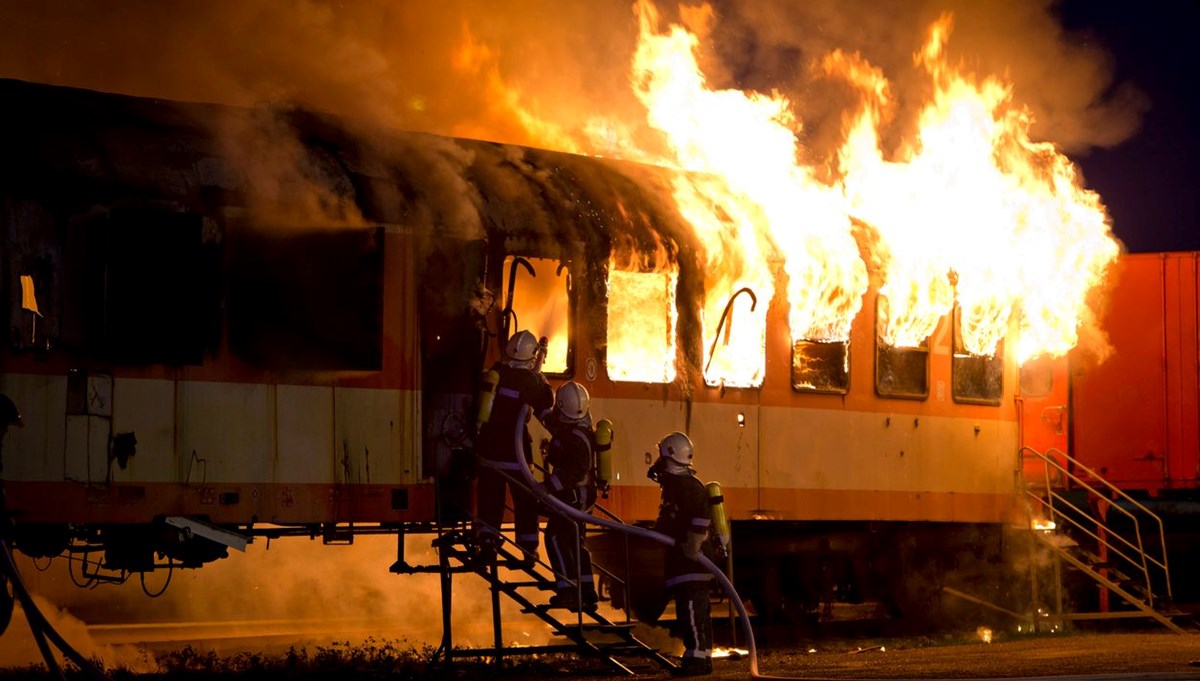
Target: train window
<point>641,325</point>
<point>307,299</point>
<point>736,341</point>
<point>821,367</point>
<point>975,379</point>
<point>537,298</point>
<point>1037,377</point>
<point>900,371</point>
<point>153,293</point>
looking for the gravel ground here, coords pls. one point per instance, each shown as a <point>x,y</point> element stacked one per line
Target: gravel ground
<point>1148,654</point>
<point>1141,655</point>
<point>1059,655</point>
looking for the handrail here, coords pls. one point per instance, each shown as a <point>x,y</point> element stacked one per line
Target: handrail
<point>1147,560</point>
<point>604,511</point>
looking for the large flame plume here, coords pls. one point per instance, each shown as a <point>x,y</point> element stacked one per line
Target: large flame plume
<point>971,211</point>
<point>931,175</point>
<point>752,202</point>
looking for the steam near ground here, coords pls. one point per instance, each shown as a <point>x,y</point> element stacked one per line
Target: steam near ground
<point>295,593</point>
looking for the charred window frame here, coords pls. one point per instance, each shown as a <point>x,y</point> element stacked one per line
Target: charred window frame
<point>975,379</point>
<point>821,366</point>
<point>900,372</point>
<point>1037,377</point>
<point>307,298</point>
<point>537,295</point>
<point>152,293</point>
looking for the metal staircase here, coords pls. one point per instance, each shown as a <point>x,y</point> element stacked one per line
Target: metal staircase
<point>510,574</point>
<point>1089,524</point>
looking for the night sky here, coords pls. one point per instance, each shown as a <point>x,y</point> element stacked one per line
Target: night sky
<point>1149,182</point>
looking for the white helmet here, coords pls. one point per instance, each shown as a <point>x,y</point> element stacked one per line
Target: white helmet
<point>676,447</point>
<point>572,401</point>
<point>522,348</point>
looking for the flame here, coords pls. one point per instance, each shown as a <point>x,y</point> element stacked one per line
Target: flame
<point>967,215</point>
<point>644,351</point>
<point>752,203</point>
<point>971,212</point>
<point>509,105</point>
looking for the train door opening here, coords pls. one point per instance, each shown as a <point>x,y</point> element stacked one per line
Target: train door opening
<point>537,298</point>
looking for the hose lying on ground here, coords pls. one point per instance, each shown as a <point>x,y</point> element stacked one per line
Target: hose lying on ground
<point>43,633</point>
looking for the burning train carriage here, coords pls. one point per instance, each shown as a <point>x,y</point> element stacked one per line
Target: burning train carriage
<point>214,337</point>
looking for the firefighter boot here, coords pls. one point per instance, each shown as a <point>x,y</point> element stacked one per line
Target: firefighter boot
<point>693,666</point>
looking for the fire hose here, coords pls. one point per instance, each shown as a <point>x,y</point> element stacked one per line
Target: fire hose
<point>645,533</point>
<point>43,633</point>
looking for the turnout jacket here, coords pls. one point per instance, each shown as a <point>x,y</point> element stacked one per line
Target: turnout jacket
<point>570,454</point>
<point>505,438</point>
<point>684,510</point>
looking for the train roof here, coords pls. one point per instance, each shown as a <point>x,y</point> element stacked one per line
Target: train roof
<point>72,149</point>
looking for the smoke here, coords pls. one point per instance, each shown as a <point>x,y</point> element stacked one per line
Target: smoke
<point>537,72</point>
<point>18,648</point>
<point>1065,81</point>
<point>296,592</point>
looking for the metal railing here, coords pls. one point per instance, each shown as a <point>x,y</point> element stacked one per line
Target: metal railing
<point>1131,549</point>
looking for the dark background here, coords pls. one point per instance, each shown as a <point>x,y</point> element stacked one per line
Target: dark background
<point>1149,182</point>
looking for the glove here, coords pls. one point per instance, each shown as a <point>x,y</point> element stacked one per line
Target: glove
<point>721,547</point>
<point>691,546</point>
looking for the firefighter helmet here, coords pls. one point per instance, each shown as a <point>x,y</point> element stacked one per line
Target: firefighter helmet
<point>676,447</point>
<point>9,415</point>
<point>572,401</point>
<point>522,347</point>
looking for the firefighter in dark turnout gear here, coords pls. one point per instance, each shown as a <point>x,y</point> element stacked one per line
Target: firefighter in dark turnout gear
<point>505,445</point>
<point>683,516</point>
<point>570,455</point>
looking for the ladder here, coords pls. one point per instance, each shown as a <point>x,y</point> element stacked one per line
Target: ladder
<point>586,631</point>
<point>509,574</point>
<point>1101,531</point>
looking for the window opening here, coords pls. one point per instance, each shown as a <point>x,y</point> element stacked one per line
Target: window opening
<point>1037,377</point>
<point>538,300</point>
<point>900,371</point>
<point>641,324</point>
<point>152,287</point>
<point>736,357</point>
<point>975,379</point>
<point>307,298</point>
<point>821,366</point>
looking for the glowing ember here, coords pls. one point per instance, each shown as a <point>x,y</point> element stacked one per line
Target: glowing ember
<point>1043,525</point>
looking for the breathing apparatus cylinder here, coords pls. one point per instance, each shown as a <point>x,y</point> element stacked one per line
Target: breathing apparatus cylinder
<point>487,396</point>
<point>720,524</point>
<point>604,435</point>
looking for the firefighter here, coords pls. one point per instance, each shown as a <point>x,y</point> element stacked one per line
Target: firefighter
<point>505,445</point>
<point>570,455</point>
<point>683,515</point>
